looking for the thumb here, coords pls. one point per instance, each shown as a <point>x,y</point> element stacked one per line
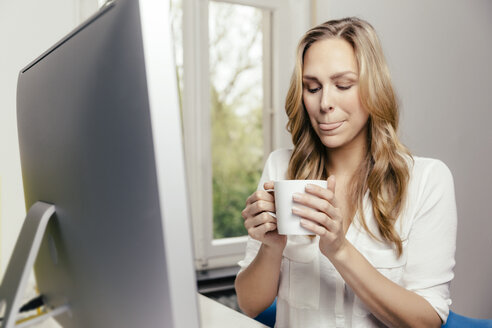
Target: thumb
<point>331,183</point>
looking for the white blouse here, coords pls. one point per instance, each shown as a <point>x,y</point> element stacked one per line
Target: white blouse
<point>311,291</point>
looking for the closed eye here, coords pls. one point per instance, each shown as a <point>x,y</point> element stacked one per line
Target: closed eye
<point>343,87</point>
<point>313,90</point>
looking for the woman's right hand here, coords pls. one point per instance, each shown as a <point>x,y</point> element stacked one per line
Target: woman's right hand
<point>260,224</point>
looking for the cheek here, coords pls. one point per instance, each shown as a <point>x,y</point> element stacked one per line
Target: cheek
<point>351,100</point>
<point>310,103</point>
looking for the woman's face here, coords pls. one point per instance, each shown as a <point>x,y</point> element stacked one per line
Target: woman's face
<point>331,93</point>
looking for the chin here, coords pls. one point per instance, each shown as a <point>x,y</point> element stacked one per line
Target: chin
<point>331,142</point>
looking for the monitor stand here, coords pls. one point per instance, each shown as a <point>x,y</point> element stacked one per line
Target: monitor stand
<point>21,264</point>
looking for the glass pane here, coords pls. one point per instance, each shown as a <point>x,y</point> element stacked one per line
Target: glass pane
<point>236,92</point>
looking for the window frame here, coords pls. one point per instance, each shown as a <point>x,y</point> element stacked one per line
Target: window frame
<point>278,18</point>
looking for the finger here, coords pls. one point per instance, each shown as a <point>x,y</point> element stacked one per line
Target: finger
<point>262,206</point>
<point>316,217</point>
<point>258,220</point>
<point>269,185</point>
<point>259,194</point>
<point>323,193</point>
<point>313,227</point>
<point>267,227</point>
<point>317,198</point>
<point>259,232</point>
<point>258,207</point>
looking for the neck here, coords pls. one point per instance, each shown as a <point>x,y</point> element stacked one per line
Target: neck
<point>344,161</point>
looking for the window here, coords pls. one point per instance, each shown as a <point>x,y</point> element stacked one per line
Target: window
<point>236,106</point>
<point>231,89</point>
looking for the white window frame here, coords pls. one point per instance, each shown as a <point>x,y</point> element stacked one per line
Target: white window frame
<point>288,20</point>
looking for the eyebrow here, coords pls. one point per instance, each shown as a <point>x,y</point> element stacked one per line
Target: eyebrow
<point>333,77</point>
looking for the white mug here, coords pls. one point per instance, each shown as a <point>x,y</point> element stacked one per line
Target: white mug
<point>287,222</point>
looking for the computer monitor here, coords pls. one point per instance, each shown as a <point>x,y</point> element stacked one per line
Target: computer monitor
<point>100,138</point>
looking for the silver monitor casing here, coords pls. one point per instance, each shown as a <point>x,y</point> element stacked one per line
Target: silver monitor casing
<point>100,138</point>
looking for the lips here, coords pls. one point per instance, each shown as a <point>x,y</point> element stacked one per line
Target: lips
<point>329,126</point>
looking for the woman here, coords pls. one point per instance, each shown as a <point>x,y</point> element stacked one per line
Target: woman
<point>385,227</point>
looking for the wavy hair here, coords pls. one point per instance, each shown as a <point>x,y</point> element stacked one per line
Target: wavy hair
<point>384,173</point>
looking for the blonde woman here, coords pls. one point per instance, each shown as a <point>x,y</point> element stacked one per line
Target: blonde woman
<point>385,227</point>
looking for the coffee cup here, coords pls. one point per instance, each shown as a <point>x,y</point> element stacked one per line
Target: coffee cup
<point>287,222</point>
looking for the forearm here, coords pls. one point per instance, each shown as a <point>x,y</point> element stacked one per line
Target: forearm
<point>257,285</point>
<point>389,302</point>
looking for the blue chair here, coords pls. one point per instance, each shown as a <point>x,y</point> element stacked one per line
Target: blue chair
<point>268,316</point>
<point>459,321</point>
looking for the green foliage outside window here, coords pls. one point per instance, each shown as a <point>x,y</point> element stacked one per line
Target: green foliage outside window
<point>237,163</point>
<point>236,99</point>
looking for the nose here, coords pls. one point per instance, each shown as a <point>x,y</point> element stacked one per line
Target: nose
<point>326,100</point>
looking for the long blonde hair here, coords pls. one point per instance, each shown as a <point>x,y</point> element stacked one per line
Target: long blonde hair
<point>384,172</point>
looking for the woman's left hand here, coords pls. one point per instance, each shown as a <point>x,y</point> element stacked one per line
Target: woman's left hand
<point>322,216</point>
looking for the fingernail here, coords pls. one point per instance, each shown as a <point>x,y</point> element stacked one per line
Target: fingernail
<point>295,209</point>
<point>296,196</point>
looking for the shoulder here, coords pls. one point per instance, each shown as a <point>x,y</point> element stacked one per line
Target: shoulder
<point>431,181</point>
<point>431,202</point>
<point>429,170</point>
<point>276,166</point>
<point>278,160</point>
<point>281,155</point>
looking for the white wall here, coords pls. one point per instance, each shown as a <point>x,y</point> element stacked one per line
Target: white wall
<point>439,53</point>
<point>27,28</point>
<point>293,25</point>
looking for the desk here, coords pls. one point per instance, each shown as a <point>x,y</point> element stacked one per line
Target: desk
<point>212,315</point>
<point>215,315</point>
